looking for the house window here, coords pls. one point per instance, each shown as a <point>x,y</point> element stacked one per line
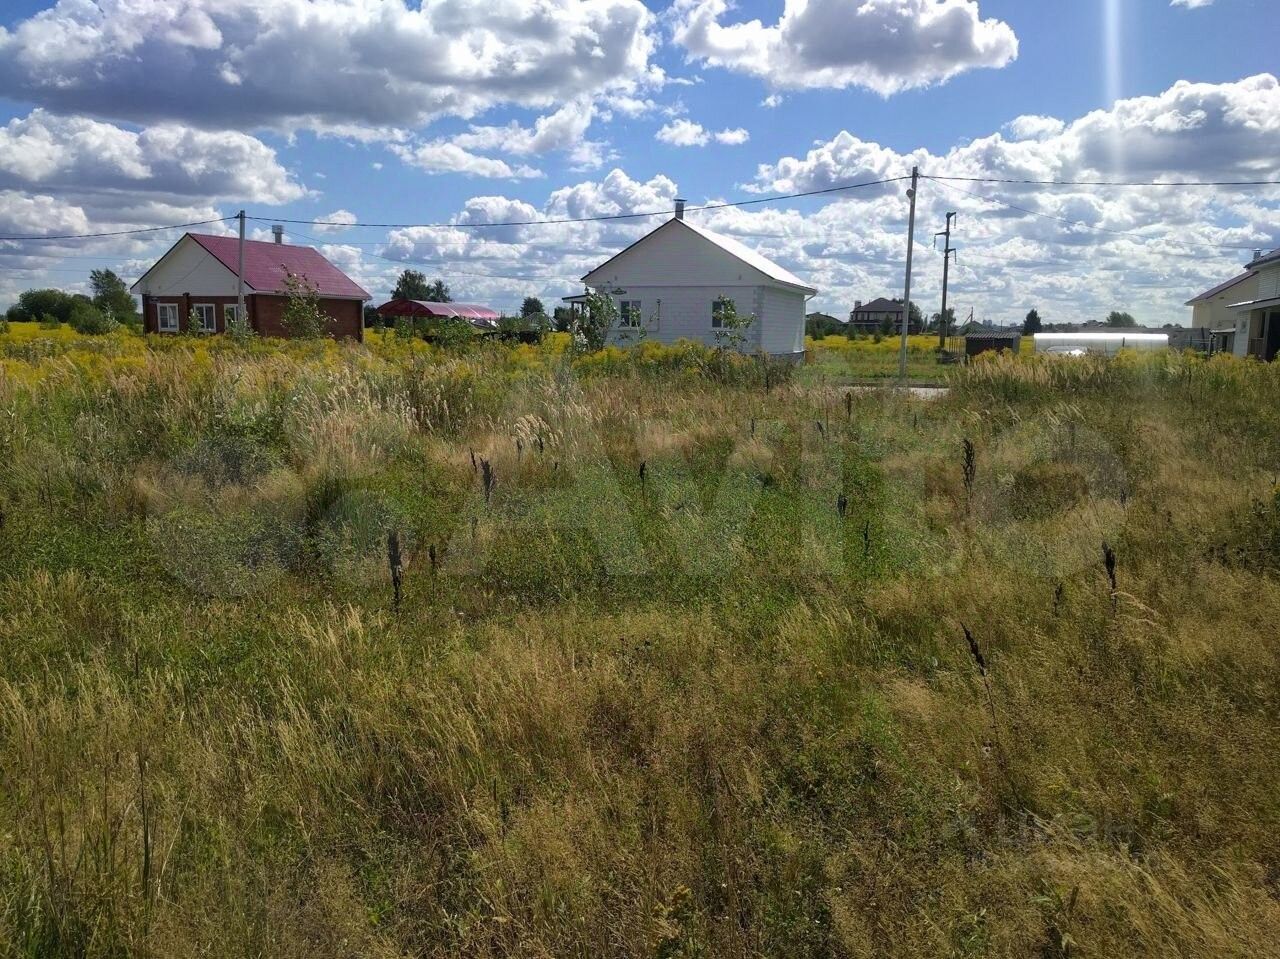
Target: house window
<point>721,309</point>
<point>205,318</point>
<point>228,315</point>
<point>167,317</point>
<point>629,314</point>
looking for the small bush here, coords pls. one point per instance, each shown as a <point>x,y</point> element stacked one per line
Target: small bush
<point>87,319</point>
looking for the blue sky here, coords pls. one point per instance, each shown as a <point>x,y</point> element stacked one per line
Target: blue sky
<point>131,113</point>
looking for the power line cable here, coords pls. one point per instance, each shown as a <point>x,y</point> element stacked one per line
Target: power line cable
<point>591,219</point>
<point>89,236</point>
<point>1106,183</point>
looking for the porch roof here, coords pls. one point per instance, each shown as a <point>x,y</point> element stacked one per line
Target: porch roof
<point>1262,304</point>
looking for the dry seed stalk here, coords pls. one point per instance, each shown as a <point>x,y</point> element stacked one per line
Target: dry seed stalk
<point>396,563</point>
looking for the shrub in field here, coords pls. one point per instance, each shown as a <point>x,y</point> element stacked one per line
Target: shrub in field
<point>87,319</point>
<point>303,317</point>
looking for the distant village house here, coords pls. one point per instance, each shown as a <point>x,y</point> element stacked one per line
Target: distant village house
<point>678,281</point>
<point>878,315</point>
<point>193,287</point>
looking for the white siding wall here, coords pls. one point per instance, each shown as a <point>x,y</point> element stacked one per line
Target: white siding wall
<point>189,268</point>
<point>1268,283</point>
<point>673,313</point>
<point>782,321</point>
<point>1214,314</point>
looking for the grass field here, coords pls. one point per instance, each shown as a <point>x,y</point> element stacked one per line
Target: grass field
<point>684,663</point>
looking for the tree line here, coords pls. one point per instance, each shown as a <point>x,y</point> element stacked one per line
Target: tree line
<point>110,306</point>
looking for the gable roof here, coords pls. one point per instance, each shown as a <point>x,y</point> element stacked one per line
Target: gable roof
<point>749,256</point>
<point>738,251</point>
<point>267,264</point>
<point>880,305</point>
<point>1221,287</point>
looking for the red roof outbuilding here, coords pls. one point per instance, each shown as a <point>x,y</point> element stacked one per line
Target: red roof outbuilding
<point>479,316</point>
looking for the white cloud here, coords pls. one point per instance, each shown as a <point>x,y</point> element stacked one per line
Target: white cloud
<point>1032,127</point>
<point>441,156</point>
<point>322,64</point>
<point>686,133</point>
<point>881,45</point>
<point>335,222</point>
<point>1190,4</point>
<point>1210,131</point>
<point>83,155</point>
<point>683,133</point>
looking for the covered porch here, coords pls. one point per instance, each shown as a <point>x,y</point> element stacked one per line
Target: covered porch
<point>1258,328</point>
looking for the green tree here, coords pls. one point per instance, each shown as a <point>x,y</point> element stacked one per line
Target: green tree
<point>303,317</point>
<point>411,285</point>
<point>592,322</point>
<point>1032,324</point>
<point>730,330</point>
<point>937,318</point>
<point>112,297</point>
<point>34,305</point>
<point>1118,319</point>
<point>819,325</point>
<point>532,306</point>
<point>438,292</point>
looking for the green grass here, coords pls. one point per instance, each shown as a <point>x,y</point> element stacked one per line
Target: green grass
<point>698,714</point>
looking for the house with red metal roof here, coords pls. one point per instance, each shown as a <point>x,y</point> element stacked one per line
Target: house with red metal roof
<point>193,287</point>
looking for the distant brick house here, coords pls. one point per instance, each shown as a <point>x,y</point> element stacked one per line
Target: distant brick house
<point>192,288</point>
<point>872,317</point>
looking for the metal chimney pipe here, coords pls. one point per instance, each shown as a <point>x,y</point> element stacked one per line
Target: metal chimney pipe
<point>278,230</point>
<point>679,209</point>
<point>1257,254</point>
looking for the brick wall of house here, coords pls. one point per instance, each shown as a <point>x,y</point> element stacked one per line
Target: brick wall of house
<point>265,313</point>
<point>347,316</point>
<point>184,303</point>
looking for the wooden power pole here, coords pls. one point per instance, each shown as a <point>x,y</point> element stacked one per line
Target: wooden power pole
<point>946,263</point>
<point>906,296</point>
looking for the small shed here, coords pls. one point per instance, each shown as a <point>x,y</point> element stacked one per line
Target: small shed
<point>481,317</point>
<point>983,341</point>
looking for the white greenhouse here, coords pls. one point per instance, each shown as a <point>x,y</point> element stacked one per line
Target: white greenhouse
<point>1108,342</point>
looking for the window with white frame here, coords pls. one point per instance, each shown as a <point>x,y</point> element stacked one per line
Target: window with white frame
<point>228,315</point>
<point>205,317</point>
<point>629,314</point>
<point>721,309</point>
<point>167,317</point>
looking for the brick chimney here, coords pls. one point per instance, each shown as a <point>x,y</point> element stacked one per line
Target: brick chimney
<point>278,230</point>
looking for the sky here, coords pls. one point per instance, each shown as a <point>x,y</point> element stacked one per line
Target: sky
<point>441,116</point>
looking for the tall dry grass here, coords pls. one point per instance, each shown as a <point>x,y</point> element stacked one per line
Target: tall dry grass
<point>725,706</point>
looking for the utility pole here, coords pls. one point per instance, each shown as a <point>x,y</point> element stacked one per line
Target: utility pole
<point>906,296</point>
<point>240,317</point>
<point>946,263</point>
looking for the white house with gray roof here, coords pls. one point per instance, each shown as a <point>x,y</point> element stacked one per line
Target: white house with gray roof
<point>672,284</point>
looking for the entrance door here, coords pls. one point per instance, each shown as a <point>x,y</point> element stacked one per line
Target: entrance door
<point>1271,336</point>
